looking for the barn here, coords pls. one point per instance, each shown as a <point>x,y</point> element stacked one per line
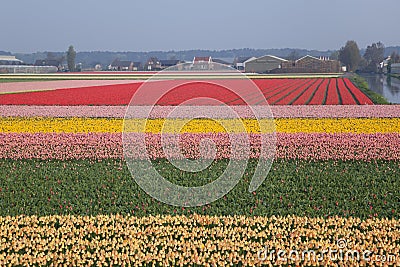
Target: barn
<point>310,64</point>
<point>264,64</point>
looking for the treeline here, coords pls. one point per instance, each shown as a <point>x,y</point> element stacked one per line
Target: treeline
<point>360,59</point>
<point>104,58</point>
<point>368,60</point>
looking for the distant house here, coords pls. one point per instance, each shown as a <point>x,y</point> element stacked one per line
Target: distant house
<point>137,66</point>
<point>167,63</point>
<point>121,65</point>
<point>264,64</point>
<point>152,64</point>
<point>310,64</point>
<point>10,60</point>
<point>240,62</point>
<point>383,66</point>
<point>202,63</point>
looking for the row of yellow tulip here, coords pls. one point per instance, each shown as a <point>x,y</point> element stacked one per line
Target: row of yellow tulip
<point>283,125</point>
<point>206,240</point>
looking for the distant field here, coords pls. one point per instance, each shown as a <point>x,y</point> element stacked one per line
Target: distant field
<point>146,75</point>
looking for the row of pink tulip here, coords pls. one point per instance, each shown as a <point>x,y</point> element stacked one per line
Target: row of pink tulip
<point>13,87</point>
<point>334,111</point>
<point>315,146</point>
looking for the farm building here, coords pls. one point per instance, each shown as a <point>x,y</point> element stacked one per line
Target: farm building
<point>10,64</point>
<point>10,60</point>
<point>264,64</point>
<point>27,69</point>
<point>310,64</point>
<point>240,62</point>
<point>202,63</point>
<point>167,63</point>
<point>222,62</point>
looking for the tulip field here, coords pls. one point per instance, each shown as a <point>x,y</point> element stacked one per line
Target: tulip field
<point>284,91</point>
<point>67,197</point>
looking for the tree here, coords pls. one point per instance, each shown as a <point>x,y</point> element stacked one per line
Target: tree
<point>53,56</point>
<point>61,59</point>
<point>374,55</point>
<point>334,55</point>
<point>50,55</point>
<point>293,55</point>
<point>71,55</point>
<point>350,56</point>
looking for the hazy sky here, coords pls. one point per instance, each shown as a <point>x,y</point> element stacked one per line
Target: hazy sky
<point>130,25</point>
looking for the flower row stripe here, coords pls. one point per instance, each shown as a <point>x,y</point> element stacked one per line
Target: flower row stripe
<point>284,125</point>
<point>295,111</point>
<point>106,240</point>
<point>314,146</point>
<point>17,87</point>
<point>274,90</point>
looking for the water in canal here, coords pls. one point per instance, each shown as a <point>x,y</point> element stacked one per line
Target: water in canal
<point>387,86</point>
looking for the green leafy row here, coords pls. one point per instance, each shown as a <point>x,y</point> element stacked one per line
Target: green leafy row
<point>293,187</point>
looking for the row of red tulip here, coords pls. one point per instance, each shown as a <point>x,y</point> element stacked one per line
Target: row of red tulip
<point>229,91</point>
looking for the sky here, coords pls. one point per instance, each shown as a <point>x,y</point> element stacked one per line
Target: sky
<point>164,25</point>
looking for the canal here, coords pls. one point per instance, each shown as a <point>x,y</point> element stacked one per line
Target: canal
<point>386,86</point>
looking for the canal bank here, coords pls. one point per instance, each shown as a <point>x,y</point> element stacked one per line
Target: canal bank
<point>386,86</point>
